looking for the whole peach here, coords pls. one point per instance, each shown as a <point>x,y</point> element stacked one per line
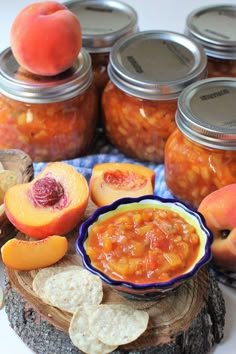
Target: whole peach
<point>46,38</point>
<point>219,210</point>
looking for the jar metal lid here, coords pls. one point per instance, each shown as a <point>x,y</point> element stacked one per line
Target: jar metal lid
<point>206,113</point>
<point>103,22</point>
<point>156,65</point>
<point>23,86</point>
<point>214,27</point>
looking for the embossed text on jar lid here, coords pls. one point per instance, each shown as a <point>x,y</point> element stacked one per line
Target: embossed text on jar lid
<point>103,22</point>
<point>156,64</point>
<point>23,86</point>
<point>214,27</point>
<point>206,113</point>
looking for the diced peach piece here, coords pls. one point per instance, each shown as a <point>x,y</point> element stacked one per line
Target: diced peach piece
<point>219,211</point>
<point>46,38</point>
<point>28,255</point>
<point>53,203</point>
<point>111,181</point>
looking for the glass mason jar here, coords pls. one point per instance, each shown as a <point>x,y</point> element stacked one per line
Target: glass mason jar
<point>200,155</point>
<point>50,118</point>
<point>147,72</point>
<point>103,22</point>
<point>214,27</point>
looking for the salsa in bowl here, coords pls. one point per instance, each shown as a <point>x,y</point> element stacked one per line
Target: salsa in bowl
<point>145,246</point>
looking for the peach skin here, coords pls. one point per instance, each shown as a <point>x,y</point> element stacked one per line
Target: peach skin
<point>219,211</point>
<point>46,38</point>
<point>113,180</point>
<point>29,255</point>
<point>53,203</point>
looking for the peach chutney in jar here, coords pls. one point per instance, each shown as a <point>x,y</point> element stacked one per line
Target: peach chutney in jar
<point>147,71</point>
<point>200,155</point>
<point>103,23</point>
<point>50,118</point>
<point>143,243</point>
<point>214,27</point>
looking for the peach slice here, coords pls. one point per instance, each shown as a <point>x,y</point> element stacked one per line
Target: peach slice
<point>111,181</point>
<point>46,38</point>
<point>53,203</point>
<point>219,211</point>
<point>29,255</point>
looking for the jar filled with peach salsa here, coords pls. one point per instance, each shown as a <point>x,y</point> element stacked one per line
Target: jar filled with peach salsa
<point>50,118</point>
<point>103,22</point>
<point>147,71</point>
<point>214,27</point>
<point>200,155</point>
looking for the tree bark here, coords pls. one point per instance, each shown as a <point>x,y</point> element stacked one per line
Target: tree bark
<point>191,320</point>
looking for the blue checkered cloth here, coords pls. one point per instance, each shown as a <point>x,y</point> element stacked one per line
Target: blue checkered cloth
<point>109,154</point>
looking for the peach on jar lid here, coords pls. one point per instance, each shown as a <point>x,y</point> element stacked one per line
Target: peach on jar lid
<point>53,117</point>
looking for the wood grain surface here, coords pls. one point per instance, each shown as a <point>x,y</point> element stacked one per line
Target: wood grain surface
<point>193,308</point>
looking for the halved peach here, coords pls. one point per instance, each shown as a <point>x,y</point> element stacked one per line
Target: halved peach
<point>113,180</point>
<point>28,255</point>
<point>53,203</point>
<point>219,211</point>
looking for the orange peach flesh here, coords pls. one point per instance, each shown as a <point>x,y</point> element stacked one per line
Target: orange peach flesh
<point>40,222</point>
<point>132,181</point>
<point>29,255</point>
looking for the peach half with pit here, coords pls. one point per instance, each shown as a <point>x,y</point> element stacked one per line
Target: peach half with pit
<point>113,180</point>
<point>219,211</point>
<point>53,203</point>
<point>46,38</point>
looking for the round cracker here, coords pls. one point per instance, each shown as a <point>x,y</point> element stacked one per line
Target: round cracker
<point>1,298</point>
<point>69,289</point>
<point>118,324</point>
<point>82,337</point>
<point>44,273</point>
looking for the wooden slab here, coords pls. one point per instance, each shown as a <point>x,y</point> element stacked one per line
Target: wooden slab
<point>189,320</point>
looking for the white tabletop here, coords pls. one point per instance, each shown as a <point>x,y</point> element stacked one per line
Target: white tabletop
<point>153,14</point>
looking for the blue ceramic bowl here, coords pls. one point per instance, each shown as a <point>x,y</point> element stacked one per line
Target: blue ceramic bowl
<point>148,291</point>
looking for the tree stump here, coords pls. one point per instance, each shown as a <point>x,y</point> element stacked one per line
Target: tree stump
<point>190,320</point>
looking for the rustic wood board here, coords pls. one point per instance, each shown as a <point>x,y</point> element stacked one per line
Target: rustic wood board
<point>189,320</point>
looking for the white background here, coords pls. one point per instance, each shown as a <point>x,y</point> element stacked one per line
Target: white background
<point>153,14</point>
